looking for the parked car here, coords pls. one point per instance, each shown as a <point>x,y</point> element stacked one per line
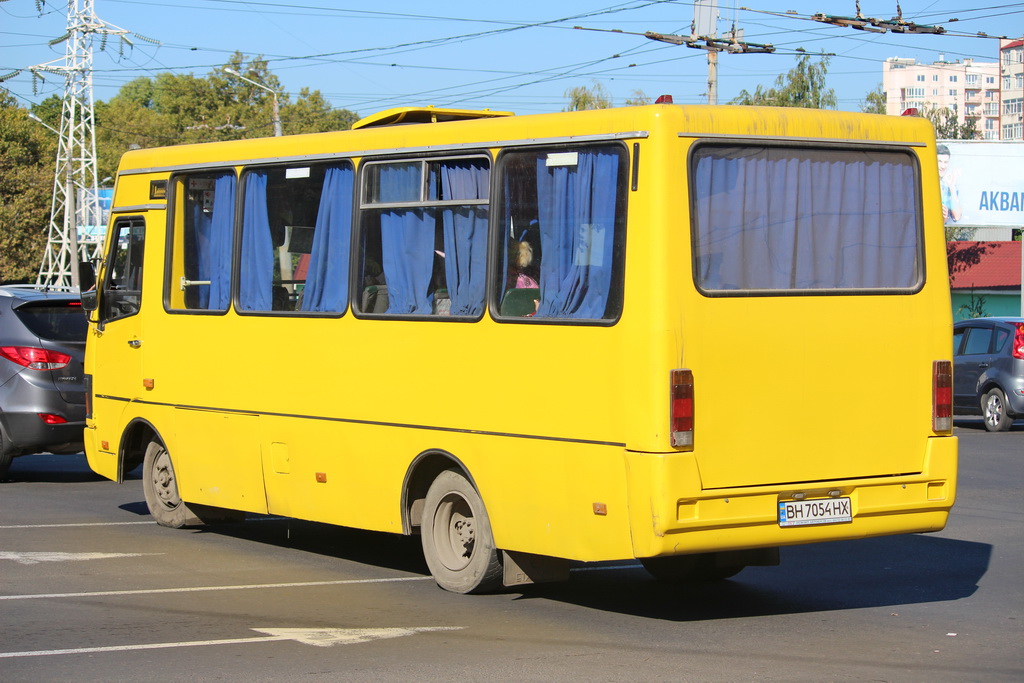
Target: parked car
<point>42,392</point>
<point>988,370</point>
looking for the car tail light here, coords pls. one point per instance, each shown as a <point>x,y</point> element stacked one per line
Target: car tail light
<point>1018,342</point>
<point>52,419</point>
<point>682,409</point>
<point>35,358</point>
<point>942,397</point>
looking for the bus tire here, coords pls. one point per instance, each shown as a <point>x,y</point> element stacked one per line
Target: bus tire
<point>456,534</point>
<point>699,568</point>
<point>160,485</point>
<point>993,407</point>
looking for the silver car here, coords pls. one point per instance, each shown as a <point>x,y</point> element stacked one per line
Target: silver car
<point>42,393</point>
<point>988,370</point>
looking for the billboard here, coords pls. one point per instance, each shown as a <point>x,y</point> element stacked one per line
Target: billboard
<point>982,183</point>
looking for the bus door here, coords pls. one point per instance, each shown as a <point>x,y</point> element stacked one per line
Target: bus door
<point>117,362</point>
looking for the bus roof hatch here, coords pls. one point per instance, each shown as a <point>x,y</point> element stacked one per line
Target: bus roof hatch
<point>429,114</point>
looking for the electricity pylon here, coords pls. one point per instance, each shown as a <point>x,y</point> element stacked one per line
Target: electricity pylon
<point>76,228</point>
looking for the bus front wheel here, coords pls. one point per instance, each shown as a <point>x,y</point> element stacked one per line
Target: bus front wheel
<point>456,534</point>
<point>161,488</point>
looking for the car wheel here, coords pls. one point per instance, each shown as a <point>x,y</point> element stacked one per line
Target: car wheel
<point>161,488</point>
<point>993,407</point>
<point>698,568</point>
<point>456,535</point>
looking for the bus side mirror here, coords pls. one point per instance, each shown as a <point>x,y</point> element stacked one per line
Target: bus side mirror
<point>87,285</point>
<point>86,276</point>
<point>89,300</point>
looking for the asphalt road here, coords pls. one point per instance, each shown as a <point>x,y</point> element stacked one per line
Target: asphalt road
<point>92,590</point>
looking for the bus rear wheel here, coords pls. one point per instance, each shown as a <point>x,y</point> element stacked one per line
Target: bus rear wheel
<point>456,535</point>
<point>700,568</point>
<point>161,488</point>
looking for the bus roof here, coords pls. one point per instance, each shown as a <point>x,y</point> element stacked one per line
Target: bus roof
<point>428,114</point>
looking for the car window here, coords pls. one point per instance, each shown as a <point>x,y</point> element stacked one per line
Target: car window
<point>1001,337</point>
<point>55,320</point>
<point>958,336</point>
<point>978,340</point>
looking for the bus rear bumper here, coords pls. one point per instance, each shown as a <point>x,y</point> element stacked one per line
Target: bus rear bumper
<point>699,521</point>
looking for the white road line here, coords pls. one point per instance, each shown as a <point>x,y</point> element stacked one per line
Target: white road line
<point>125,648</point>
<point>323,637</point>
<point>202,589</point>
<point>37,557</point>
<point>77,524</point>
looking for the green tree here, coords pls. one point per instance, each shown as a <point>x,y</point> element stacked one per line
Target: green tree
<point>802,86</point>
<point>311,113</point>
<point>581,97</point>
<point>638,98</point>
<point>874,102</point>
<point>170,109</point>
<point>27,158</point>
<point>947,124</point>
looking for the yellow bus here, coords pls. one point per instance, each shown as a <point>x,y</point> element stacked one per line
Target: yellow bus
<point>686,335</point>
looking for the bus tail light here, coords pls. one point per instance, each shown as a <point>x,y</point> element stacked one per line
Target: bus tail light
<point>942,397</point>
<point>682,409</point>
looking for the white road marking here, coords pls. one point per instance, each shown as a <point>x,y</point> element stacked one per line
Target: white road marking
<point>201,589</point>
<point>36,558</point>
<point>58,526</point>
<point>322,637</point>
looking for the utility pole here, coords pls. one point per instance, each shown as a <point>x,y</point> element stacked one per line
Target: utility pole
<point>275,111</point>
<point>75,205</point>
<point>704,36</point>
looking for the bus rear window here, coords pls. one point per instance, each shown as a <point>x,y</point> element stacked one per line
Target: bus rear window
<point>771,220</point>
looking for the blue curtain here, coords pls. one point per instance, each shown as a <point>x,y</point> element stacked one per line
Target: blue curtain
<point>465,235</point>
<point>407,242</point>
<point>256,290</point>
<point>812,219</point>
<point>202,229</point>
<point>577,234</point>
<point>327,280</point>
<point>221,235</point>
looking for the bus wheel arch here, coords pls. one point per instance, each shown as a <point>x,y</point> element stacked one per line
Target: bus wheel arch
<point>442,501</point>
<point>422,472</point>
<point>134,441</point>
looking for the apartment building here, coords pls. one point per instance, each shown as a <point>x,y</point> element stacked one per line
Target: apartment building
<point>1011,68</point>
<point>967,87</point>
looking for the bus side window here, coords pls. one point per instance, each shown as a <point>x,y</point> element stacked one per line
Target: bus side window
<point>423,241</point>
<point>296,223</point>
<point>564,213</point>
<point>203,233</point>
<point>122,287</point>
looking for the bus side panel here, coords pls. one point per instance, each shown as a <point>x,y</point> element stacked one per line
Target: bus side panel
<point>563,500</point>
<point>216,457</point>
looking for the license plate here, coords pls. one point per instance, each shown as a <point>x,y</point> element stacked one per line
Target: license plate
<point>819,511</point>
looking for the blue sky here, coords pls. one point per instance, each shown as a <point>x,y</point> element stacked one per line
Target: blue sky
<point>520,56</point>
